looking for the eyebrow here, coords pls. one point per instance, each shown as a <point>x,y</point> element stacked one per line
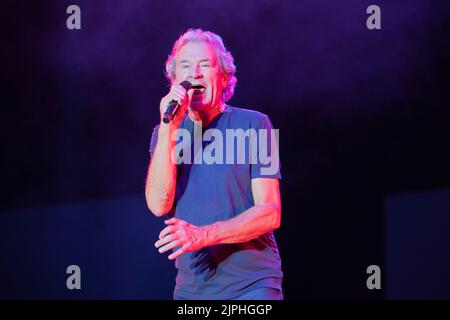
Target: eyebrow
<point>187,61</point>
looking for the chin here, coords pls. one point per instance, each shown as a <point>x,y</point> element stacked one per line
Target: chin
<point>199,106</point>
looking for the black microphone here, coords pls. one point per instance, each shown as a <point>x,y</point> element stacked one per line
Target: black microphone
<point>173,105</point>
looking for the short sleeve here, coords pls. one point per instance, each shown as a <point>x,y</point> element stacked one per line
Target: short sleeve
<point>153,141</point>
<point>266,159</point>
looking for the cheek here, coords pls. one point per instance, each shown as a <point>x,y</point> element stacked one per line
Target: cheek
<point>178,77</point>
<point>180,74</point>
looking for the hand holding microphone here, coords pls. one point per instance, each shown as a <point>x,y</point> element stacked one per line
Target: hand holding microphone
<point>176,99</point>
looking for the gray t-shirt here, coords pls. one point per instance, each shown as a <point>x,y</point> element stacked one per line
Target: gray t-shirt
<point>207,193</point>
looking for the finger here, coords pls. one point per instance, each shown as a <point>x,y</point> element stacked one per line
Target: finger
<point>175,221</point>
<point>179,94</point>
<point>167,230</point>
<point>170,221</point>
<point>165,240</point>
<point>190,93</point>
<point>178,98</point>
<point>169,246</point>
<point>181,100</point>
<point>179,252</point>
<point>181,90</point>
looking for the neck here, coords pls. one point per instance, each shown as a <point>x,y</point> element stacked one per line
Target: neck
<point>206,117</point>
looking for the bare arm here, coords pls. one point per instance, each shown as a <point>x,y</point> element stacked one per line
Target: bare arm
<point>162,175</point>
<point>263,217</point>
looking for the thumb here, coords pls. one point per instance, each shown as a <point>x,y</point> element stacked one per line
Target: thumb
<point>189,95</point>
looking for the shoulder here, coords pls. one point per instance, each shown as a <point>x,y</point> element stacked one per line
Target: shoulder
<point>156,128</point>
<point>155,131</point>
<point>246,115</point>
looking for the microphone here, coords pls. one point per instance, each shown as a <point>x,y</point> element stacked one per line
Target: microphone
<point>173,105</point>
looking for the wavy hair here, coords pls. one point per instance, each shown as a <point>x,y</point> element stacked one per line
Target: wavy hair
<point>226,59</point>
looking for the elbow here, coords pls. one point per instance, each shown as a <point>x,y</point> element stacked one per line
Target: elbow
<point>275,221</point>
<point>157,212</point>
<point>157,209</point>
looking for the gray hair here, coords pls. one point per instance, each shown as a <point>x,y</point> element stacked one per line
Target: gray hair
<point>226,59</point>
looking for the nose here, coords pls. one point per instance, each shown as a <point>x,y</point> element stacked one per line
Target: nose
<point>196,73</point>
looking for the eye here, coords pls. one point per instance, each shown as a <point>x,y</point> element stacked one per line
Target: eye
<point>184,66</point>
<point>205,65</point>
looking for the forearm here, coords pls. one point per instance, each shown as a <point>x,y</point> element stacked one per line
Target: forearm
<point>263,217</point>
<point>248,225</point>
<point>161,176</point>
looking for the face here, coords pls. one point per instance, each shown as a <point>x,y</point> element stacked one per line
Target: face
<point>197,63</point>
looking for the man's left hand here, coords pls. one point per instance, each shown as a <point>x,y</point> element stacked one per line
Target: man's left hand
<point>180,233</point>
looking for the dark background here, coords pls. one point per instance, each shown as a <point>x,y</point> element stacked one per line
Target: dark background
<point>363,116</point>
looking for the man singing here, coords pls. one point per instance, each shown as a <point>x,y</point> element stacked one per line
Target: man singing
<point>222,198</point>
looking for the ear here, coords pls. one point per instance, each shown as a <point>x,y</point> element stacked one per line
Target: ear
<point>224,80</point>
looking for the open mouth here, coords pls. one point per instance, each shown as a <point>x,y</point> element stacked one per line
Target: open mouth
<point>198,89</point>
